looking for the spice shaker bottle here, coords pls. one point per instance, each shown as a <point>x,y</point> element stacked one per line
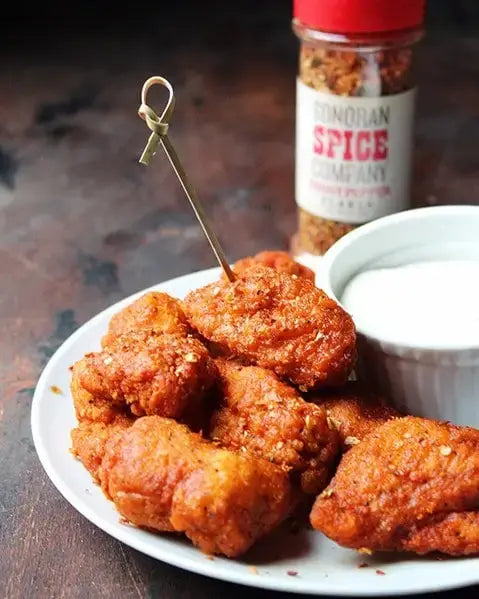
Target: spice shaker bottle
<point>354,114</point>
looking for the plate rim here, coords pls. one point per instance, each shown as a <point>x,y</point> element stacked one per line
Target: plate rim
<point>206,567</point>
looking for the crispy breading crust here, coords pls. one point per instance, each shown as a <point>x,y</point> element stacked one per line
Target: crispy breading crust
<point>277,321</point>
<point>89,441</point>
<point>412,485</point>
<point>354,411</point>
<point>88,407</point>
<point>151,373</point>
<point>155,311</point>
<point>261,414</point>
<point>280,261</point>
<point>162,476</point>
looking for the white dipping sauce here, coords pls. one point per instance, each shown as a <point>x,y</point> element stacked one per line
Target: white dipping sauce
<point>434,303</point>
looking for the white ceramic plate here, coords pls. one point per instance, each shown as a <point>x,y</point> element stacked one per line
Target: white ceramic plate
<point>321,566</point>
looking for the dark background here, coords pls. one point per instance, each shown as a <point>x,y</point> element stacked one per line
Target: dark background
<point>82,224</point>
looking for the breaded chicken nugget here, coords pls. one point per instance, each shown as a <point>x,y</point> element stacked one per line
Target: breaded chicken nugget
<point>89,441</point>
<point>88,407</point>
<point>412,485</point>
<point>155,311</point>
<point>162,476</point>
<point>152,373</point>
<point>261,414</point>
<point>280,261</point>
<point>277,321</point>
<point>354,411</point>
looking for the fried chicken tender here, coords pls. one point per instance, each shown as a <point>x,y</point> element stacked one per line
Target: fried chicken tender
<point>279,322</point>
<point>88,407</point>
<point>411,485</point>
<point>150,373</point>
<point>280,261</point>
<point>155,311</point>
<point>354,411</point>
<point>267,417</point>
<point>163,477</point>
<point>89,441</point>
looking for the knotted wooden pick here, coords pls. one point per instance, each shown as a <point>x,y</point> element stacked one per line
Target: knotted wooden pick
<point>159,126</point>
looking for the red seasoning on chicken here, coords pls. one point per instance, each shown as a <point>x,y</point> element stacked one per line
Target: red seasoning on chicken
<point>155,310</point>
<point>163,477</point>
<point>278,321</point>
<point>412,485</point>
<point>354,411</point>
<point>259,413</point>
<point>149,373</point>
<point>280,261</point>
<point>89,441</point>
<point>89,407</point>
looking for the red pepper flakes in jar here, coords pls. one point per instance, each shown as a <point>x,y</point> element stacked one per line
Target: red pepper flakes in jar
<point>354,114</point>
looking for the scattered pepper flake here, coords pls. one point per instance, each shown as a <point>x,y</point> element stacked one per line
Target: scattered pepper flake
<point>55,389</point>
<point>350,441</point>
<point>333,424</point>
<point>363,565</point>
<point>327,493</point>
<point>292,573</point>
<point>380,573</point>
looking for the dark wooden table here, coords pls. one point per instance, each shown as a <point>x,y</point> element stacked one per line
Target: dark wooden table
<point>83,225</point>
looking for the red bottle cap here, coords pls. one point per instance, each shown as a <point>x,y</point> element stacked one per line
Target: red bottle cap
<point>360,16</point>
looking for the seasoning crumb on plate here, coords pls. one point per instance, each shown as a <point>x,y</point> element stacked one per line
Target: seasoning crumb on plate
<point>252,569</point>
<point>363,565</point>
<point>292,573</point>
<point>380,573</point>
<point>55,389</point>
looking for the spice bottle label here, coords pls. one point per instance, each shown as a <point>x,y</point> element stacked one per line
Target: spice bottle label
<point>353,154</point>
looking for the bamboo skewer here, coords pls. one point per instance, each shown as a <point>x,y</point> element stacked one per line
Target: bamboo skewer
<point>159,127</point>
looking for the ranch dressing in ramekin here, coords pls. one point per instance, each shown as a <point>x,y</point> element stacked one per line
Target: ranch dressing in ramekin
<point>434,302</point>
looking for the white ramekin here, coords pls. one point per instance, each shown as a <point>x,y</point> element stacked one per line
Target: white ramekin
<point>440,382</point>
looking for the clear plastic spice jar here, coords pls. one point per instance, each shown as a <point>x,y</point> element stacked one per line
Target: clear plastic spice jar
<point>354,114</point>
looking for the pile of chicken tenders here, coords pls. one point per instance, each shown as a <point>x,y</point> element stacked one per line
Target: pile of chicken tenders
<point>221,415</point>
